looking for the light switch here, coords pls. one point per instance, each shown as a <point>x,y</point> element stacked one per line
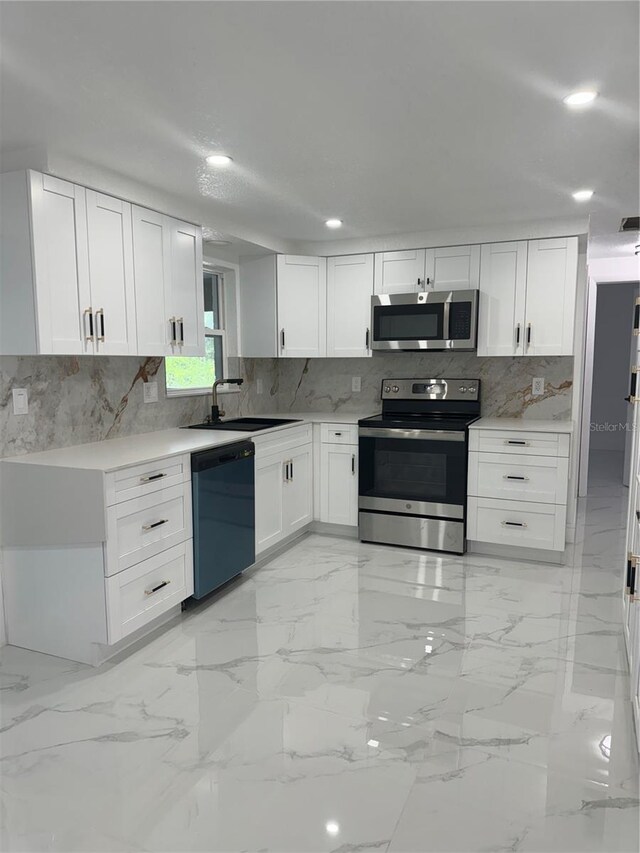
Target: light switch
<point>20,401</point>
<point>150,392</point>
<point>537,387</point>
<point>356,384</point>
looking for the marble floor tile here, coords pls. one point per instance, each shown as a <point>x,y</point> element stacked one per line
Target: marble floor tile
<point>347,698</point>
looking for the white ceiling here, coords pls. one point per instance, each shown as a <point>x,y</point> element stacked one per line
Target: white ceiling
<point>396,117</point>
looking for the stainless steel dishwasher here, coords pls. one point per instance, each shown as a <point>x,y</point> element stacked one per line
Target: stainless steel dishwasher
<point>223,486</point>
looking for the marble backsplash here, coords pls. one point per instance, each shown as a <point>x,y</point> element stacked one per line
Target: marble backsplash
<point>325,384</point>
<point>73,400</point>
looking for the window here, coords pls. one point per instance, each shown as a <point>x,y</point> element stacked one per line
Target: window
<point>196,374</point>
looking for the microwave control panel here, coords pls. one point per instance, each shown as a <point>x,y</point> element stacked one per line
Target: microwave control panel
<point>460,321</point>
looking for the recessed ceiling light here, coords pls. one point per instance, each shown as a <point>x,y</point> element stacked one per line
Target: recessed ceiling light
<point>333,223</point>
<point>332,827</point>
<point>581,99</point>
<point>219,160</point>
<point>583,195</point>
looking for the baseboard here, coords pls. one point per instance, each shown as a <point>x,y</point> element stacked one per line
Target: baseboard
<point>528,555</point>
<point>324,528</point>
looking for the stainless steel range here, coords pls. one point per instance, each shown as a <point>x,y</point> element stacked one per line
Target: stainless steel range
<point>413,464</point>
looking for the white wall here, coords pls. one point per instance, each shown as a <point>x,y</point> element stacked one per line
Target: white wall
<point>614,322</point>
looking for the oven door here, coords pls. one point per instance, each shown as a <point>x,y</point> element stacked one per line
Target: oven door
<point>413,472</point>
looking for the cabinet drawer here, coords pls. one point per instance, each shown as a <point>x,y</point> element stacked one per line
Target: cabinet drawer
<point>518,441</point>
<point>282,441</point>
<point>339,433</point>
<point>525,525</point>
<point>541,479</point>
<point>139,528</point>
<point>147,478</point>
<point>138,595</point>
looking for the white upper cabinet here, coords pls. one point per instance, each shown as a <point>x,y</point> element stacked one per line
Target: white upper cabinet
<point>186,302</point>
<point>169,289</point>
<point>400,272</point>
<point>527,297</point>
<point>86,273</point>
<point>110,243</point>
<point>503,279</point>
<point>302,306</point>
<point>454,268</point>
<point>60,266</point>
<point>349,292</point>
<point>152,266</point>
<point>551,296</point>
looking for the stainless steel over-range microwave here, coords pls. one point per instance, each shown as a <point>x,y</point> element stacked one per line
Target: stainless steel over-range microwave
<point>431,320</point>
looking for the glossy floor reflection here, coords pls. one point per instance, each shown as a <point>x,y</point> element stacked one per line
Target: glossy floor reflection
<point>346,697</point>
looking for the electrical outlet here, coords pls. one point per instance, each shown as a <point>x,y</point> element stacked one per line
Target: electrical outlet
<point>356,384</point>
<point>20,401</point>
<point>259,386</point>
<point>537,387</point>
<point>150,392</point>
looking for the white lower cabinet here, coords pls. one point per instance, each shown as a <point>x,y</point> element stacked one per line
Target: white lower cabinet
<point>339,484</point>
<point>284,485</point>
<point>517,488</point>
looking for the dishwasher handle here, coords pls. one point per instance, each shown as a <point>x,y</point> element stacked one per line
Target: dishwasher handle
<point>217,456</point>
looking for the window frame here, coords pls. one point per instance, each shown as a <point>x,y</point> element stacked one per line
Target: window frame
<point>214,269</point>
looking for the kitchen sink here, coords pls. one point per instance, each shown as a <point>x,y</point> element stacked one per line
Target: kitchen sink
<point>246,424</point>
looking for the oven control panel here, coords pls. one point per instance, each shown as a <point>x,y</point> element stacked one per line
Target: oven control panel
<point>431,389</point>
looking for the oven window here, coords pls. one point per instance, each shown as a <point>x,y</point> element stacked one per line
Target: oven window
<point>405,469</point>
<point>406,475</point>
<point>408,322</point>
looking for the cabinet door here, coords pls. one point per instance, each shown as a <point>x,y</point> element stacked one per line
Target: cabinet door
<point>400,272</point>
<point>349,292</point>
<point>110,243</point>
<point>152,270</point>
<point>454,268</point>
<point>270,473</point>
<point>302,306</point>
<point>552,269</point>
<point>503,271</point>
<point>298,489</point>
<point>59,229</point>
<point>187,291</point>
<point>339,484</point>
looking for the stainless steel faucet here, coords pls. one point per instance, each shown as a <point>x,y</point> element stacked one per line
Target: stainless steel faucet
<point>216,414</point>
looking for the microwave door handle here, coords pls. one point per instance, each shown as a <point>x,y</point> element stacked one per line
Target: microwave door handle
<point>445,320</point>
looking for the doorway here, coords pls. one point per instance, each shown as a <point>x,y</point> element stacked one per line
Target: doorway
<point>610,415</point>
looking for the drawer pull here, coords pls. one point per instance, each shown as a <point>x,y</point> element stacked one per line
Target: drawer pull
<point>152,477</point>
<point>337,433</point>
<point>514,477</point>
<point>156,588</point>
<point>514,524</point>
<point>517,441</point>
<point>155,524</point>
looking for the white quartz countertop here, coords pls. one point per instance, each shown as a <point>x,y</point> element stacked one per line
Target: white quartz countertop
<point>115,453</point>
<point>523,425</point>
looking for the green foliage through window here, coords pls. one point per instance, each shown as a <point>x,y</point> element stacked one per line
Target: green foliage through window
<point>185,373</point>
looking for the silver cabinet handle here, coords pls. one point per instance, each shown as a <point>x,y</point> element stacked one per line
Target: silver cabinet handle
<point>285,470</point>
<point>88,313</point>
<point>180,322</point>
<point>154,524</point>
<point>291,464</point>
<point>518,335</point>
<point>367,339</point>
<point>528,334</point>
<point>174,334</point>
<point>513,523</point>
<point>282,339</point>
<point>514,477</point>
<point>150,477</point>
<point>518,442</point>
<point>100,314</point>
<point>353,463</point>
<point>156,588</point>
